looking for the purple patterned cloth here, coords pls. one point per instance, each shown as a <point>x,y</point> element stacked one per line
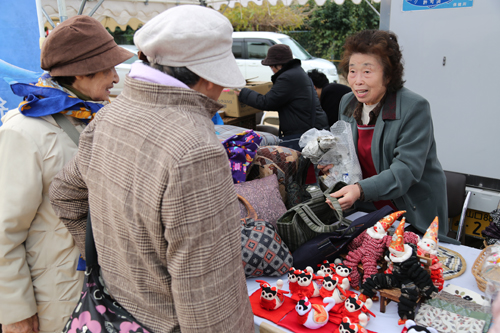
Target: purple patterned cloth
<point>241,149</point>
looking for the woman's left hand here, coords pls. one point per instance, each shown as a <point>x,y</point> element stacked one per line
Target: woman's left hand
<point>346,196</point>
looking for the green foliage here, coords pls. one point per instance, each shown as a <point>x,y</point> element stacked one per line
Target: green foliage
<point>123,37</point>
<point>265,17</point>
<point>331,24</point>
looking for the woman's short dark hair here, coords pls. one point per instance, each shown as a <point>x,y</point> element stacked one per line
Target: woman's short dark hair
<point>180,73</point>
<point>382,44</point>
<point>318,78</point>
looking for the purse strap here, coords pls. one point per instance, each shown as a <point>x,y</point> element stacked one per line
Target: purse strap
<point>90,250</point>
<point>67,127</point>
<point>312,220</point>
<point>252,214</point>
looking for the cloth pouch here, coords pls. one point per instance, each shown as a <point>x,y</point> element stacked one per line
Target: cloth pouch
<point>263,252</point>
<point>447,322</point>
<point>264,196</point>
<point>330,245</point>
<point>466,294</point>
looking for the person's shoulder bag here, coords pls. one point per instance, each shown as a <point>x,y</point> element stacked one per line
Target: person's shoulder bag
<point>97,311</point>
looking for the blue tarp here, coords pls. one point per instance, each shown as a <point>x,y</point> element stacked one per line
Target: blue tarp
<point>19,49</point>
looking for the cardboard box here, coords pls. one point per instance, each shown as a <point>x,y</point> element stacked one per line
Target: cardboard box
<point>233,108</point>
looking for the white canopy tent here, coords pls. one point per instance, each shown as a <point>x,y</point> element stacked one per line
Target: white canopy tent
<point>113,13</point>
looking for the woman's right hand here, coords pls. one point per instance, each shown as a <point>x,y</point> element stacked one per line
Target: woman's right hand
<point>346,196</point>
<point>28,325</point>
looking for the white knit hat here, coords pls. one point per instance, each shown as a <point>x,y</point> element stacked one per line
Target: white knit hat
<point>194,37</point>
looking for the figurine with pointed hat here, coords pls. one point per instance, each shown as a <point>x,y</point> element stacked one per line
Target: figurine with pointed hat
<point>407,274</point>
<point>369,247</point>
<point>429,245</point>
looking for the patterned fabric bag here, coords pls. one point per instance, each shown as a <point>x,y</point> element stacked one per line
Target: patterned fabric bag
<point>289,166</point>
<point>309,219</point>
<point>96,310</point>
<point>263,252</point>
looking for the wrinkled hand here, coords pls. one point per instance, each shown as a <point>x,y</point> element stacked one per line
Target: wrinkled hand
<point>325,168</point>
<point>346,196</point>
<point>28,325</point>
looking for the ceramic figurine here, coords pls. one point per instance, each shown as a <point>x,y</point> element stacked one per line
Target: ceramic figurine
<point>412,327</point>
<point>306,287</point>
<point>347,327</point>
<point>324,269</point>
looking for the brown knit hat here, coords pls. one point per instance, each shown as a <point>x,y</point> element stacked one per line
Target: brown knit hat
<point>80,46</point>
<point>278,54</point>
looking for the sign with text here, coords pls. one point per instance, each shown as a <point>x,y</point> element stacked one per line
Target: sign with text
<point>410,5</point>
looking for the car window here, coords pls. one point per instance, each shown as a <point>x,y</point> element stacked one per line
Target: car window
<point>257,50</point>
<point>238,49</point>
<point>131,60</point>
<point>298,51</point>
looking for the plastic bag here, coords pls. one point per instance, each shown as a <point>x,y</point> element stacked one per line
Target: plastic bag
<point>490,271</point>
<point>334,147</point>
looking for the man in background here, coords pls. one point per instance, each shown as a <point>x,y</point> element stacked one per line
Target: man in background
<point>329,94</point>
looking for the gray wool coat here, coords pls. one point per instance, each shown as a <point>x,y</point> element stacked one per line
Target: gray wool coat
<point>405,156</point>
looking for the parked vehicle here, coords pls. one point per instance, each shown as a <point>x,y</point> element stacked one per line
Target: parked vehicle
<point>250,47</point>
<point>123,69</point>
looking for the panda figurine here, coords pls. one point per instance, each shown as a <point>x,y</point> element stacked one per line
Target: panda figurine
<point>342,272</point>
<point>271,298</point>
<point>325,269</point>
<point>412,327</point>
<point>314,316</point>
<point>347,327</point>
<point>306,287</point>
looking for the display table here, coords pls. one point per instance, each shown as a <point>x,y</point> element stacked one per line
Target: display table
<point>388,322</point>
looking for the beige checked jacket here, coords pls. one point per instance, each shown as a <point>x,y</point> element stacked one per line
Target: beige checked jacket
<point>164,211</point>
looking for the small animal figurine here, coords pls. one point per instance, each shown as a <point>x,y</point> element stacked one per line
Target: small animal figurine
<point>314,316</point>
<point>412,327</point>
<point>347,327</point>
<point>324,269</point>
<point>271,298</point>
<point>292,280</point>
<point>306,287</point>
<point>355,309</point>
<point>331,288</point>
<point>342,272</point>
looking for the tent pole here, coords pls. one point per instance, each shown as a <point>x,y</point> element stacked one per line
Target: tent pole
<point>82,6</point>
<point>374,9</point>
<point>385,15</point>
<point>96,7</point>
<point>40,21</point>
<point>61,4</point>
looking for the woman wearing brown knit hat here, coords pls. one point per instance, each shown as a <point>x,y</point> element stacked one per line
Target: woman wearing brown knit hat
<point>39,281</point>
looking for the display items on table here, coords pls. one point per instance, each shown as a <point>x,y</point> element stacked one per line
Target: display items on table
<point>447,322</point>
<point>271,298</point>
<point>412,327</point>
<point>407,275</point>
<point>263,251</point>
<point>325,268</point>
<point>369,247</point>
<point>347,327</point>
<point>314,316</point>
<point>306,285</point>
<point>342,272</point>
<point>241,149</point>
<point>428,245</point>
<point>336,148</point>
<point>264,196</point>
<point>355,309</point>
<point>492,232</point>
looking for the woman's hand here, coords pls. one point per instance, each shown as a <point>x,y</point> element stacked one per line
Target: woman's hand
<point>346,196</point>
<point>325,168</point>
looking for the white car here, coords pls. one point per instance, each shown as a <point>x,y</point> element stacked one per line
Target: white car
<point>250,48</point>
<point>123,69</point>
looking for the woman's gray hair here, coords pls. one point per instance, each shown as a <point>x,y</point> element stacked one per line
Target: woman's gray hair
<point>180,73</point>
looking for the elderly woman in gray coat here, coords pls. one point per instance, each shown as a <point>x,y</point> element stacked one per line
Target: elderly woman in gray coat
<point>393,135</point>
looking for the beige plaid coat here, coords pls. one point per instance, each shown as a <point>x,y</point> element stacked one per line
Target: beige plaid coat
<point>165,215</point>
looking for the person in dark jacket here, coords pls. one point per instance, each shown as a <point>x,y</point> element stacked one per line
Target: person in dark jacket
<point>292,95</point>
<point>329,94</point>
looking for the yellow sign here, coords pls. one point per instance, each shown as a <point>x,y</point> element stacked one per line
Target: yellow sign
<point>475,222</point>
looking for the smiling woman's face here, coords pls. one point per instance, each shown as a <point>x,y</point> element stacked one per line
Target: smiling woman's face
<point>97,87</point>
<point>366,78</point>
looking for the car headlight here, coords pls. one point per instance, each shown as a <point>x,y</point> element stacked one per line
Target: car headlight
<point>332,71</point>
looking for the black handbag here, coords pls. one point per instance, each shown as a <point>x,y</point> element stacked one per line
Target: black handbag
<point>263,252</point>
<point>330,245</point>
<point>96,310</point>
